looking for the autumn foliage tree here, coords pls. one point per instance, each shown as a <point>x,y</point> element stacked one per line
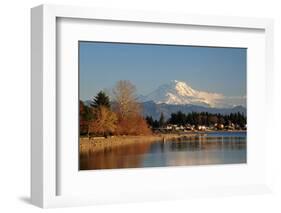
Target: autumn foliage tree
<point>128,110</point>
<point>85,118</point>
<point>105,121</point>
<point>97,119</point>
<point>123,118</point>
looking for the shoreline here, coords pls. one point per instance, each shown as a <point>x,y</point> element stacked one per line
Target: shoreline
<point>101,143</point>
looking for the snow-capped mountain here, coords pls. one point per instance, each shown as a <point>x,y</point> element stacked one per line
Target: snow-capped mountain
<point>180,93</point>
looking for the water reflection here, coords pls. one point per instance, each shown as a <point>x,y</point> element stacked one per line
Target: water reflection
<point>198,150</point>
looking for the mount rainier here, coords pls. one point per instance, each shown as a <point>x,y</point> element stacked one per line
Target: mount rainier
<point>180,93</point>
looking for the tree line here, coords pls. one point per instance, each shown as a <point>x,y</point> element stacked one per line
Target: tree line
<point>123,116</point>
<point>198,118</point>
<point>119,116</point>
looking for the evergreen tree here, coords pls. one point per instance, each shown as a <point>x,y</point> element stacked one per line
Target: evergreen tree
<point>149,120</point>
<point>101,99</point>
<point>161,120</point>
<point>155,124</point>
<point>205,118</point>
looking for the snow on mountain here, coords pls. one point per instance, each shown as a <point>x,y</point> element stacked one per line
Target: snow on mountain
<point>180,93</point>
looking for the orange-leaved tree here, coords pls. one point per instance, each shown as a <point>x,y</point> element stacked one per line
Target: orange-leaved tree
<point>105,121</point>
<point>128,110</point>
<point>85,118</point>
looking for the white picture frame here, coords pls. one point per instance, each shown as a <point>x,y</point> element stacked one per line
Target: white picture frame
<point>45,165</point>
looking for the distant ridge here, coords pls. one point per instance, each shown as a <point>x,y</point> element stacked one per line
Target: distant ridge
<point>152,109</point>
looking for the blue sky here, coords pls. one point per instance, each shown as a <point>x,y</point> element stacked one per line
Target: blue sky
<point>212,69</point>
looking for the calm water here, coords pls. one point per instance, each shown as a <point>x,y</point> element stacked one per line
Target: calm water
<point>202,149</point>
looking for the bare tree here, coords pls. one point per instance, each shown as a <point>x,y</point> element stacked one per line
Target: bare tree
<point>130,120</point>
<point>125,99</point>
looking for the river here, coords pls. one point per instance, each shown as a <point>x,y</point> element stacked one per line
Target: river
<point>202,149</point>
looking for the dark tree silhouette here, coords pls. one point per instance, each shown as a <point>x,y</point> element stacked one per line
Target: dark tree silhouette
<point>101,99</point>
<point>161,120</point>
<point>207,119</point>
<point>86,116</point>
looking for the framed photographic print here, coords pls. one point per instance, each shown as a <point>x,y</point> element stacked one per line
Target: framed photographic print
<point>173,124</point>
<point>149,106</point>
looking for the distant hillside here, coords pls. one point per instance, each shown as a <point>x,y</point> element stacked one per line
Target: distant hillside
<point>152,109</point>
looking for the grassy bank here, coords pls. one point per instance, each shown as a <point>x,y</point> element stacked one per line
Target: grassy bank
<point>99,143</point>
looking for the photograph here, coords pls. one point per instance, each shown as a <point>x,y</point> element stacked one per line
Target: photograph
<point>161,105</point>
